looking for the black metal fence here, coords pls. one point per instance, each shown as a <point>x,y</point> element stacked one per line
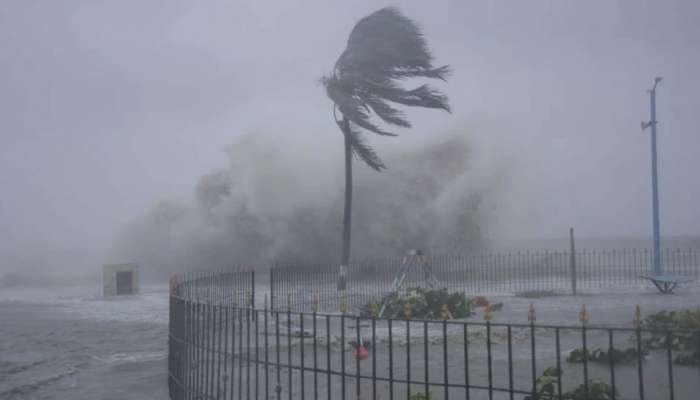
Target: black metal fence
<point>301,287</point>
<point>220,349</point>
<point>231,288</point>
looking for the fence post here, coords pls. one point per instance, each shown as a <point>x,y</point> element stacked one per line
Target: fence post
<point>252,289</point>
<point>272,287</point>
<point>252,293</point>
<point>572,260</point>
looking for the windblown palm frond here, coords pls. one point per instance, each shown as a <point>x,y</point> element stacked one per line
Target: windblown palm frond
<point>383,49</point>
<point>361,149</point>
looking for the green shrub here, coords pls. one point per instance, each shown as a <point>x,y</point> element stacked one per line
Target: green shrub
<point>423,303</point>
<point>681,319</point>
<point>421,396</point>
<point>625,356</point>
<point>546,384</point>
<point>687,359</point>
<point>654,337</point>
<point>546,388</point>
<point>686,343</point>
<point>597,390</point>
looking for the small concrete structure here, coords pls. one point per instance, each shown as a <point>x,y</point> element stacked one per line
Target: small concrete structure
<point>120,279</point>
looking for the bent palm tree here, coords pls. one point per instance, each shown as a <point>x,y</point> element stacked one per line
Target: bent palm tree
<point>383,49</point>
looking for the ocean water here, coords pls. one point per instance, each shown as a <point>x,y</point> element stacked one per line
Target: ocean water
<point>70,343</point>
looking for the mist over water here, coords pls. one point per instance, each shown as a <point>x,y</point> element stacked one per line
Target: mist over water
<point>273,200</point>
<point>271,204</point>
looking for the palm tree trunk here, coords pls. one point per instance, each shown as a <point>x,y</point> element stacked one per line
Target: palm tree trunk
<point>347,214</point>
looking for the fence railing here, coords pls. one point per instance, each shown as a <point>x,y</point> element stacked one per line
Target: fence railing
<point>219,349</point>
<point>232,288</point>
<point>299,287</point>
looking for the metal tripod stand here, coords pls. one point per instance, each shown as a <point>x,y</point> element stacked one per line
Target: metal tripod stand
<point>414,258</point>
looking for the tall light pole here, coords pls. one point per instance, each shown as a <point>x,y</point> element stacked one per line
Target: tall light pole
<point>654,179</point>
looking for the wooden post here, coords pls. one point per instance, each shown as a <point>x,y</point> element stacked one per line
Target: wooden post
<point>572,260</point>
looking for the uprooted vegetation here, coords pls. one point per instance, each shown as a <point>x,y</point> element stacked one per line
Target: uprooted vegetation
<point>427,304</point>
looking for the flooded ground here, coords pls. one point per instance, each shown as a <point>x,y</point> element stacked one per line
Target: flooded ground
<point>70,343</point>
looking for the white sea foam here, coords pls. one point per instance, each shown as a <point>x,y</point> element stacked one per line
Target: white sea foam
<point>21,384</point>
<point>86,302</point>
<point>124,358</point>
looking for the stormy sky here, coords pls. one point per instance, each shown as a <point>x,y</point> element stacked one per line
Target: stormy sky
<point>107,107</point>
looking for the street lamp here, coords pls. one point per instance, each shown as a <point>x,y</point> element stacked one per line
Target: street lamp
<point>654,179</point>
